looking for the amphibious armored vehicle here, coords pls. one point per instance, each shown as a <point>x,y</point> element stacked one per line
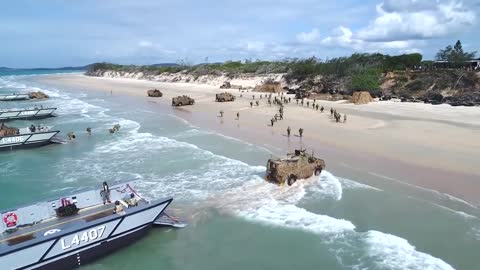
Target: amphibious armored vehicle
<point>224,97</point>
<point>298,165</point>
<point>182,101</point>
<point>154,93</point>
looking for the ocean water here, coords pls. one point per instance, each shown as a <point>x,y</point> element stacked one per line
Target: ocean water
<point>236,220</point>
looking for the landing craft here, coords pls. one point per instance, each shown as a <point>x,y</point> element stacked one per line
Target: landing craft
<point>70,231</point>
<point>13,138</point>
<point>26,114</point>
<point>14,97</point>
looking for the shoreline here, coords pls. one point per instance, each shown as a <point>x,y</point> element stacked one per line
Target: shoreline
<point>436,150</point>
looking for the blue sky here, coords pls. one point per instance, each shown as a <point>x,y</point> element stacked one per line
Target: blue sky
<point>53,33</point>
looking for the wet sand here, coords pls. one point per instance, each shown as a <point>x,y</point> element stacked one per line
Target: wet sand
<point>433,147</point>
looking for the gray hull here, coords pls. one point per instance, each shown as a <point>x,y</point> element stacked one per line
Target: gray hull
<point>70,248</point>
<point>81,258</point>
<point>27,114</point>
<point>9,143</point>
<point>14,97</point>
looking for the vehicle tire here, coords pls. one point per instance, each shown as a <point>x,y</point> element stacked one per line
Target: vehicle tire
<point>318,171</point>
<point>179,104</point>
<point>291,179</point>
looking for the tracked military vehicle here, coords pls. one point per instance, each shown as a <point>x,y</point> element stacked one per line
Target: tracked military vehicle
<point>182,101</point>
<point>298,165</point>
<point>224,97</point>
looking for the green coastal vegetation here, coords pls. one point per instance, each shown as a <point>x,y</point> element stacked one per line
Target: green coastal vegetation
<point>357,72</point>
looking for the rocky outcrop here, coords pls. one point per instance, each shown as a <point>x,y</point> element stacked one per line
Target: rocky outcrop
<point>154,93</point>
<point>38,95</point>
<point>467,99</point>
<point>362,97</point>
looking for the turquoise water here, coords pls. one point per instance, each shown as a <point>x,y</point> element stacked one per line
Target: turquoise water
<point>237,221</point>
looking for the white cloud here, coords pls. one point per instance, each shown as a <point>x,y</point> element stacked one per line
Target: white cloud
<point>404,26</point>
<point>344,37</point>
<point>309,37</point>
<point>145,43</point>
<point>255,46</point>
<point>417,20</point>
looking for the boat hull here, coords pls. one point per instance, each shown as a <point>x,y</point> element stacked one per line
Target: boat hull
<point>27,114</point>
<point>14,97</point>
<point>39,139</point>
<point>89,255</point>
<point>72,247</point>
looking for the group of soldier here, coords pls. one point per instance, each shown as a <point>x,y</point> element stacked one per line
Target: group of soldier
<point>71,135</point>
<point>338,116</point>
<point>280,100</point>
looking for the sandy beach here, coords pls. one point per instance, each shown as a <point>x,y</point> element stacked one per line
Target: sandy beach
<point>434,147</point>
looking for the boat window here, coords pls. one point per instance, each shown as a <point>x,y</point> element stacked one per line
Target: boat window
<point>20,239</point>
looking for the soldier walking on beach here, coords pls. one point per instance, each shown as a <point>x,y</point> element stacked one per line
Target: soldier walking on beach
<point>331,111</point>
<point>271,121</point>
<point>238,115</point>
<point>317,107</point>
<point>288,131</point>
<point>253,96</point>
<point>297,101</point>
<point>300,131</point>
<point>221,113</point>
<point>321,109</point>
<point>89,130</point>
<point>281,116</point>
<point>251,104</point>
<point>270,102</point>
<point>308,104</point>
<point>345,118</point>
<point>289,99</point>
<point>260,96</point>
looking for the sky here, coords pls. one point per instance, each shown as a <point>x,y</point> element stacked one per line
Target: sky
<point>56,33</point>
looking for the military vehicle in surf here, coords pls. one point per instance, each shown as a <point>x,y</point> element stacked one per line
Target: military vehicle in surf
<point>182,101</point>
<point>70,231</point>
<point>26,113</point>
<point>297,165</point>
<point>224,97</point>
<point>12,138</point>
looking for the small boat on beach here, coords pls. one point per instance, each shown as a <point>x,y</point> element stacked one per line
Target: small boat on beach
<point>70,231</point>
<point>14,97</point>
<point>26,113</point>
<point>34,136</point>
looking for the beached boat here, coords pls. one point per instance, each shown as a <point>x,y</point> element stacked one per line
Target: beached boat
<point>13,138</point>
<point>68,232</point>
<point>26,114</point>
<point>14,97</point>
